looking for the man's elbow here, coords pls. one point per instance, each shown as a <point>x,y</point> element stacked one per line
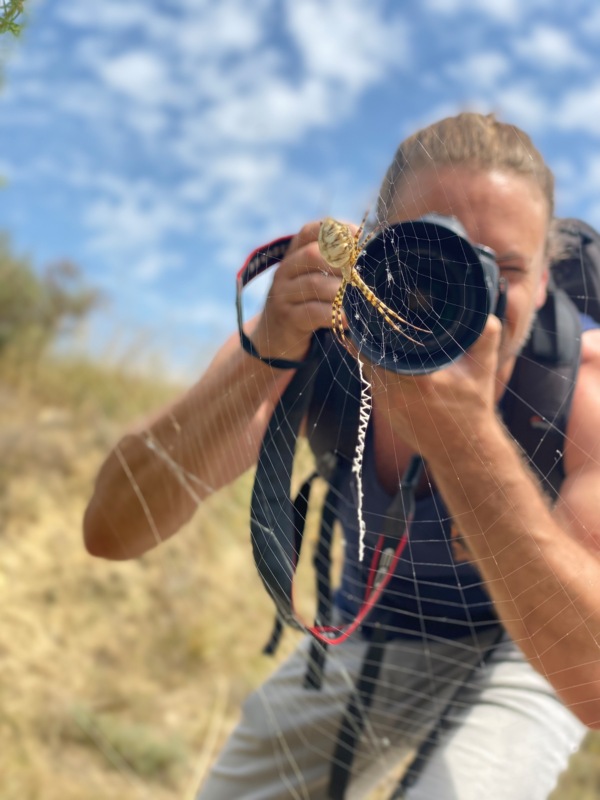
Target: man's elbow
<point>589,714</point>
<point>100,540</point>
<point>584,702</point>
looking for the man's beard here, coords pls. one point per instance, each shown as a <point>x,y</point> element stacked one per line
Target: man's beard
<point>507,353</point>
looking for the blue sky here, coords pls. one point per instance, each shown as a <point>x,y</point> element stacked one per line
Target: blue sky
<point>156,142</point>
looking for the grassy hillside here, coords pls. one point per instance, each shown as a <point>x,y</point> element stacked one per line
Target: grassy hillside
<point>121,680</point>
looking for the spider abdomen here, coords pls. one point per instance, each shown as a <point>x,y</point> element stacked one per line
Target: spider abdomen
<point>338,245</point>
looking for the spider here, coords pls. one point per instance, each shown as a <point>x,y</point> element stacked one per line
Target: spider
<point>341,249</point>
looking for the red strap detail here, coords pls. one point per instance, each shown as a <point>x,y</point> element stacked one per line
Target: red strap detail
<point>376,584</point>
<point>264,257</point>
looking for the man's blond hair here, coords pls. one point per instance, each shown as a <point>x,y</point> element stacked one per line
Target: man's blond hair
<point>471,140</point>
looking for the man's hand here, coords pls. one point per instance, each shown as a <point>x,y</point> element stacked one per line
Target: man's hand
<point>435,411</point>
<point>299,301</point>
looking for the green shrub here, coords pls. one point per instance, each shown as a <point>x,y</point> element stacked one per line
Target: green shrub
<point>36,307</point>
<point>10,13</point>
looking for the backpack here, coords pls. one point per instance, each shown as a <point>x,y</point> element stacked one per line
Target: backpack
<point>576,267</point>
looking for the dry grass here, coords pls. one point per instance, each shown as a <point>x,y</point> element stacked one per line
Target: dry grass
<point>121,680</point>
<point>112,681</point>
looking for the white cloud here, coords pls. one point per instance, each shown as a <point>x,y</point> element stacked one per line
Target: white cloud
<point>133,223</point>
<point>567,186</point>
<point>139,74</point>
<point>112,16</point>
<point>234,26</point>
<point>207,314</point>
<point>198,28</point>
<point>530,105</point>
<point>273,112</point>
<point>213,65</point>
<point>507,11</point>
<point>593,215</point>
<point>262,98</point>
<point>523,105</point>
<point>578,184</point>
<point>152,265</point>
<point>548,47</point>
<point>350,43</point>
<point>279,202</point>
<point>589,23</point>
<point>134,220</point>
<point>84,100</point>
<point>232,103</point>
<point>483,69</point>
<point>579,110</point>
<point>248,169</point>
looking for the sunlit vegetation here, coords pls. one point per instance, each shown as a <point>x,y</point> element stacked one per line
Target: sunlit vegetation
<point>11,15</point>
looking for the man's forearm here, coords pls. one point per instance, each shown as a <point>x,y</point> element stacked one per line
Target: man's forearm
<point>154,478</point>
<point>544,583</point>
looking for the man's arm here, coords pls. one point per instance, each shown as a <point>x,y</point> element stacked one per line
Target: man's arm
<point>541,567</point>
<point>154,478</point>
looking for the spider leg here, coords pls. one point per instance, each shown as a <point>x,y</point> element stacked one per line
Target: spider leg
<point>361,245</point>
<point>392,324</point>
<point>337,323</point>
<point>361,227</point>
<point>389,315</point>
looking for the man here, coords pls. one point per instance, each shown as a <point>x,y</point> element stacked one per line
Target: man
<point>513,670</point>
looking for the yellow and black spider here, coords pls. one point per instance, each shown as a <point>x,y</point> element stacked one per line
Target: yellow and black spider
<point>341,249</point>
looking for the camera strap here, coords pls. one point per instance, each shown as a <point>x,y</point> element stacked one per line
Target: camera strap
<point>277,531</point>
<point>277,522</point>
<point>260,260</point>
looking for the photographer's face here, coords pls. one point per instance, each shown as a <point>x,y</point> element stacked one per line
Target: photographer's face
<point>502,210</point>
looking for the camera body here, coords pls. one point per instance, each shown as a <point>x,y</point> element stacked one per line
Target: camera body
<point>430,274</point>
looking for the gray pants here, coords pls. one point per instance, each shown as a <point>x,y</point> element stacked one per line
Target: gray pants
<point>505,737</point>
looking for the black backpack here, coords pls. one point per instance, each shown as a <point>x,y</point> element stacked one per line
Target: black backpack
<point>576,268</point>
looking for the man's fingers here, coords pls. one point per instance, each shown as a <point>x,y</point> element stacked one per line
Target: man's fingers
<point>488,343</point>
<point>307,234</point>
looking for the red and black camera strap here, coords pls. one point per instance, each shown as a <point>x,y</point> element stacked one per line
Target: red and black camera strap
<point>276,521</point>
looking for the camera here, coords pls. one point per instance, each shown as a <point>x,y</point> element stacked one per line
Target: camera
<point>440,284</point>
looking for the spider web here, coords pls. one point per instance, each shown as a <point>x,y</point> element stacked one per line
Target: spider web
<point>444,643</point>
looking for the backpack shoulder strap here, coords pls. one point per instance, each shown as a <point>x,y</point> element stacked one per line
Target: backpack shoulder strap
<point>537,401</point>
<point>555,335</point>
<point>576,267</point>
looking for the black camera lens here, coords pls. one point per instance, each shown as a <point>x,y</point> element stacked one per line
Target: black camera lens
<point>430,275</point>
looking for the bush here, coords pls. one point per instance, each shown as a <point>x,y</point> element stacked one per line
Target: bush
<point>36,307</point>
<point>11,12</point>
